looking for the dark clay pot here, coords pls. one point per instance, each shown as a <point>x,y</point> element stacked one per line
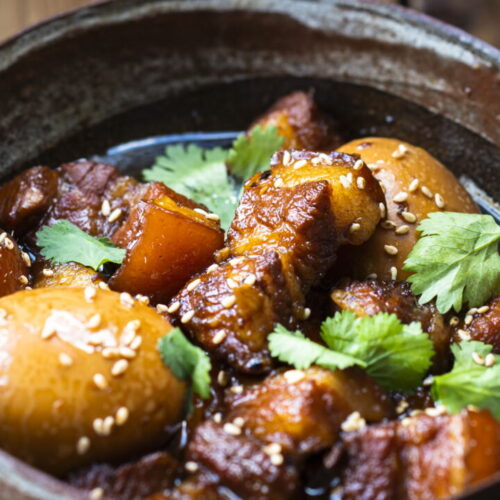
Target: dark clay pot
<point>116,71</point>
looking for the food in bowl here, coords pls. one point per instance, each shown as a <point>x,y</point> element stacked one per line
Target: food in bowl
<point>298,316</point>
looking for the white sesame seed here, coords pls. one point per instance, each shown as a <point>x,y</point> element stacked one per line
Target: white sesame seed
<point>400,151</point>
<point>115,215</point>
<point>103,286</point>
<point>454,320</point>
<point>473,408</point>
<point>394,273</point>
<point>388,224</point>
<point>110,353</point>
<point>89,293</point>
<point>402,406</point>
<point>381,208</point>
<point>232,429</point>
<point>232,283</point>
<point>236,389</point>
<point>402,229</point>
<point>126,300</point>
<point>172,308</point>
<point>65,359</point>
<point>428,381</point>
<point>212,268</point>
<point>468,319</point>
<point>278,182</point>
<point>435,412</point>
<point>361,182</point>
<point>294,376</point>
<point>100,381</point>
<point>222,378</point>
<point>373,166</point>
<point>127,352</point>
<point>26,259</point>
<point>219,337</point>
<point>201,211</point>
<point>353,422</point>
<point>413,185</point>
<point>187,317</point>
<point>354,227</point>
<point>239,422</point>
<point>306,313</point>
<point>95,339</point>
<point>489,360</point>
<point>391,249</point>
<point>250,280</point>
<point>193,284</point>
<point>96,494</point>
<point>136,343</point>
<point>94,321</point>
<point>130,331</point>
<point>119,368</point>
<point>276,459</point>
<point>107,425</point>
<point>48,331</point>
<point>438,199</point>
<point>9,244</point>
<point>2,237</point>
<point>191,466</point>
<point>300,164</point>
<point>477,358</point>
<point>143,299</point>
<point>349,177</point>
<point>344,181</point>
<point>463,334</point>
<point>286,158</point>
<point>409,217</point>
<point>214,217</point>
<point>400,197</point>
<point>371,276</point>
<point>83,445</point>
<point>122,415</point>
<point>358,165</point>
<point>472,310</point>
<point>97,425</point>
<point>427,192</point>
<point>272,449</point>
<point>23,279</point>
<point>217,418</point>
<point>105,208</point>
<point>483,309</point>
<point>228,302</point>
<point>236,261</point>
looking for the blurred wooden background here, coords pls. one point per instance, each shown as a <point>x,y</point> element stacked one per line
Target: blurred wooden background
<point>480,17</point>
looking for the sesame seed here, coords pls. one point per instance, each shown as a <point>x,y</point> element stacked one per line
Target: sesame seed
<point>483,309</point>
<point>96,494</point>
<point>349,177</point>
<point>427,192</point>
<point>371,276</point>
<point>228,302</point>
<point>217,418</point>
<point>83,445</point>
<point>193,284</point>
<point>2,237</point>
<point>353,422</point>
<point>454,320</point>
<point>219,337</point>
<point>212,216</point>
<point>463,335</point>
<point>435,412</point>
<point>400,197</point>
<point>103,286</point>
<point>438,199</point>
<point>373,167</point>
<point>89,293</point>
<point>294,376</point>
<point>97,425</point>
<point>95,339</point>
<point>191,466</point>
<point>361,182</point>
<point>306,313</point>
<point>413,185</point>
<point>212,268</point>
<point>100,381</point>
<point>239,422</point>
<point>119,368</point>
<point>143,299</point>
<point>409,217</point>
<point>300,164</point>
<point>400,151</point>
<point>428,381</point>
<point>174,307</point>
<point>236,389</point>
<point>358,165</point>
<point>344,181</point>
<point>477,358</point>
<point>126,300</point>
<point>354,227</point>
<point>286,158</point>
<point>489,360</point>
<point>222,378</point>
<point>391,249</point>
<point>278,182</point>
<point>276,459</point>
<point>48,331</point>
<point>468,319</point>
<point>127,352</point>
<point>272,449</point>
<point>250,280</point>
<point>236,261</point>
<point>110,353</point>
<point>402,229</point>
<point>136,343</point>
<point>201,211</point>
<point>394,273</point>
<point>115,215</point>
<point>388,224</point>
<point>107,425</point>
<point>26,259</point>
<point>23,279</point>
<point>232,429</point>
<point>472,310</point>
<point>187,317</point>
<point>105,208</point>
<point>232,283</point>
<point>381,208</point>
<point>122,415</point>
<point>9,244</point>
<point>94,321</point>
<point>402,406</point>
<point>65,359</point>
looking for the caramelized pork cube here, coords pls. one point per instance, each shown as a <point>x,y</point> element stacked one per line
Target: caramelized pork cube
<point>300,123</point>
<point>421,457</point>
<point>24,199</point>
<point>14,264</point>
<point>484,326</point>
<point>241,463</point>
<point>167,242</point>
<point>366,298</point>
<point>301,411</point>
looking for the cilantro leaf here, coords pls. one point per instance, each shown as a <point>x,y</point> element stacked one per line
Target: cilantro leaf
<point>455,260</point>
<point>64,242</point>
<point>186,361</point>
<point>469,383</point>
<point>294,348</point>
<point>251,153</point>
<point>199,174</point>
<point>395,355</point>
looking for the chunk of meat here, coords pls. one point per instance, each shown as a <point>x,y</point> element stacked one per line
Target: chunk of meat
<point>421,457</point>
<point>366,298</point>
<point>300,123</point>
<point>167,242</point>
<point>65,275</point>
<point>199,487</point>
<point>485,326</point>
<point>24,199</point>
<point>288,226</point>
<point>13,266</point>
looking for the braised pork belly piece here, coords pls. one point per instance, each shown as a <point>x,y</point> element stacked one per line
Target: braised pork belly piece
<point>287,228</point>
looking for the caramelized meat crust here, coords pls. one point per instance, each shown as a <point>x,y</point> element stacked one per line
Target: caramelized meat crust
<point>288,226</point>
<point>13,266</point>
<point>421,457</point>
<point>300,123</point>
<point>366,298</point>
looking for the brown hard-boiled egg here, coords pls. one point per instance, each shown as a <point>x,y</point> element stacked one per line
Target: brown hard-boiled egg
<point>415,184</point>
<point>81,379</point>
